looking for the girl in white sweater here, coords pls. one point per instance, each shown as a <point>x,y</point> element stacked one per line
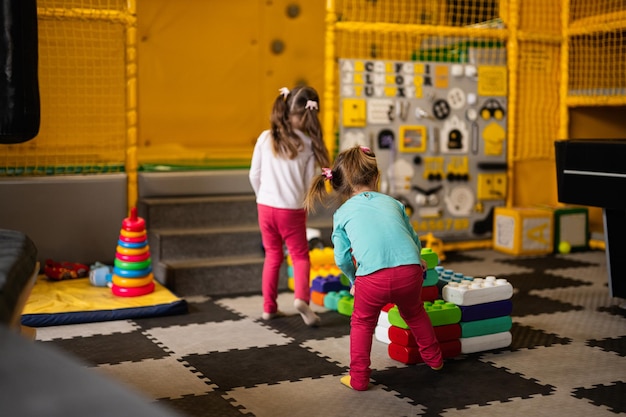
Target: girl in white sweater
<point>282,167</point>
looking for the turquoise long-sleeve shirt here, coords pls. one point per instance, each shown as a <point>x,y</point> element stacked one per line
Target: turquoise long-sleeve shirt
<point>374,229</point>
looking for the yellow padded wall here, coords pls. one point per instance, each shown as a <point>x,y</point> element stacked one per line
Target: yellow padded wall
<point>209,71</point>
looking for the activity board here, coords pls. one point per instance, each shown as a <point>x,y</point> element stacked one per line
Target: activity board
<point>439,133</point>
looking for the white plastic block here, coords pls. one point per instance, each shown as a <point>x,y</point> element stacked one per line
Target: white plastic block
<point>381,334</point>
<point>486,342</point>
<point>383,319</point>
<point>477,291</point>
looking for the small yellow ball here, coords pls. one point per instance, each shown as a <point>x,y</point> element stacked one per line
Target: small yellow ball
<point>565,247</point>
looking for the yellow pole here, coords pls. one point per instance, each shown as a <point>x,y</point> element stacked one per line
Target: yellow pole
<point>513,65</point>
<point>563,104</point>
<point>131,103</point>
<point>329,79</point>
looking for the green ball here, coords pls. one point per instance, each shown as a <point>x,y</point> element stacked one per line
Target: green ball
<point>565,247</point>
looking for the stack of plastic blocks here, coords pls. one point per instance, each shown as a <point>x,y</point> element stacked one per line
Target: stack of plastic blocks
<point>486,306</point>
<point>445,318</point>
<point>321,258</point>
<point>326,280</point>
<point>332,299</point>
<point>430,292</point>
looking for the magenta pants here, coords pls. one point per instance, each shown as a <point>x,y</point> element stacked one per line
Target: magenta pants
<point>402,286</point>
<point>286,226</point>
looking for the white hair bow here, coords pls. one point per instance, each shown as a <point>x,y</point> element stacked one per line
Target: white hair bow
<point>311,105</point>
<point>284,91</point>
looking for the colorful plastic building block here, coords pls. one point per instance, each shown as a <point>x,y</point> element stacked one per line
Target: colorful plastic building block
<point>411,355</point>
<point>328,284</point>
<point>478,291</point>
<point>430,293</point>
<point>404,337</point>
<point>431,258</point>
<point>332,298</point>
<point>486,326</point>
<point>486,310</point>
<point>440,313</point>
<point>318,298</point>
<point>345,305</point>
<point>486,342</point>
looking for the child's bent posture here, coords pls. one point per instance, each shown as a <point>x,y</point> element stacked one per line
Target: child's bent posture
<point>376,247</point>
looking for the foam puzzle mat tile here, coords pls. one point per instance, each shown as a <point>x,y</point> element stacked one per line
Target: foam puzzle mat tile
<point>567,356</point>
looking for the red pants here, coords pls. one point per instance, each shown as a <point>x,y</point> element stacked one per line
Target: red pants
<point>286,226</point>
<point>402,286</point>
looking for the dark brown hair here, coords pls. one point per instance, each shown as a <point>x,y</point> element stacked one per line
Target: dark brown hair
<point>286,142</point>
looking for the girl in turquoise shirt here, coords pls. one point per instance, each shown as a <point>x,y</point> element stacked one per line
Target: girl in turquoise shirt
<point>376,247</point>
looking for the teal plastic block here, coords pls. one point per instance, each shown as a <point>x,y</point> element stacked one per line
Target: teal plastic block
<point>345,305</point>
<point>432,278</point>
<point>431,258</point>
<point>331,300</point>
<point>486,326</point>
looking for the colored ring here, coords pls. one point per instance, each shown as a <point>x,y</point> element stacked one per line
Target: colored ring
<point>132,234</point>
<point>132,291</point>
<point>132,258</point>
<point>131,245</point>
<point>133,239</point>
<point>129,251</point>
<point>132,265</point>
<point>132,282</point>
<point>130,273</point>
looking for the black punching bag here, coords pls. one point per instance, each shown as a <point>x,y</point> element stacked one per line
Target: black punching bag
<point>19,85</point>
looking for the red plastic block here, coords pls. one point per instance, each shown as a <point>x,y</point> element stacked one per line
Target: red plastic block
<point>430,293</point>
<point>404,337</point>
<point>411,355</point>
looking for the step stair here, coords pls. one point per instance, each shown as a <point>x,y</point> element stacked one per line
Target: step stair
<point>211,245</point>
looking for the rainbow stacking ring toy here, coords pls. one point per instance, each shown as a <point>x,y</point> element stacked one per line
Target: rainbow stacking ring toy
<point>132,270</point>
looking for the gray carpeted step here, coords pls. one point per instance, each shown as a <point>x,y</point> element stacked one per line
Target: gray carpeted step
<point>218,276</point>
<point>197,243</point>
<point>198,212</point>
<point>211,245</point>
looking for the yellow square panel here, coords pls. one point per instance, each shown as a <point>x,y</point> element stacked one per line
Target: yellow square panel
<point>354,112</point>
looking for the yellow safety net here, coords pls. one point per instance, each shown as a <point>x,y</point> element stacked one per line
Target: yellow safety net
<point>559,54</point>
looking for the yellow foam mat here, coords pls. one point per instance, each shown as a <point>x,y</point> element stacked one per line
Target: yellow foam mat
<point>67,299</point>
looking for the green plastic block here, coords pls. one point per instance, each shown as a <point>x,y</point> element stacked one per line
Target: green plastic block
<point>345,281</point>
<point>440,313</point>
<point>486,326</point>
<point>431,258</point>
<point>393,315</point>
<point>346,305</point>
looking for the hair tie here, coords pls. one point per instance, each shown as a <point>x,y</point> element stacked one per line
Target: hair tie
<point>328,173</point>
<point>365,149</point>
<point>284,91</point>
<point>311,105</point>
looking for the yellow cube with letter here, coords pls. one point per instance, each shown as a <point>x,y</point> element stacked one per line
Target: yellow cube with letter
<point>523,231</point>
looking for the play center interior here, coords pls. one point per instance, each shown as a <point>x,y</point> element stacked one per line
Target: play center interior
<point>125,191</point>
